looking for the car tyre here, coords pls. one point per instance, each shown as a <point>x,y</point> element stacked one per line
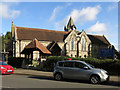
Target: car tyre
<point>95,79</point>
<point>58,76</point>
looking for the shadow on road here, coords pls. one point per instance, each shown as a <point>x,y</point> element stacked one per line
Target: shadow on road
<point>110,83</point>
<point>41,77</point>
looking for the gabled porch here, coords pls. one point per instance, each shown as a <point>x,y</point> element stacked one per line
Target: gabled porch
<point>35,51</point>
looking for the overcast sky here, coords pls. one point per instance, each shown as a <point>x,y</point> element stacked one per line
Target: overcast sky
<point>94,17</point>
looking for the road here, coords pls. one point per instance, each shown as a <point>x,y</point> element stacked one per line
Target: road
<point>30,81</point>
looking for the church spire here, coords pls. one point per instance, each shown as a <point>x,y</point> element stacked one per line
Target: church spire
<point>70,23</point>
<point>70,26</point>
<point>12,23</point>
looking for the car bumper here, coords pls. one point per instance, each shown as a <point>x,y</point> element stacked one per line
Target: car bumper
<point>7,71</point>
<point>105,79</point>
<point>108,78</point>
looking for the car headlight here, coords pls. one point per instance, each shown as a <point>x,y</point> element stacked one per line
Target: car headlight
<point>2,68</point>
<point>103,72</point>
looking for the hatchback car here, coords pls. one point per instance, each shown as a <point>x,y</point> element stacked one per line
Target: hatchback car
<point>5,68</point>
<point>79,70</point>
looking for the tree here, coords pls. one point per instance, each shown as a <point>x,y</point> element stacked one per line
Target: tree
<point>7,40</point>
<point>0,47</point>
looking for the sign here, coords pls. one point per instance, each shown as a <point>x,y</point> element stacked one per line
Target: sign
<point>106,52</point>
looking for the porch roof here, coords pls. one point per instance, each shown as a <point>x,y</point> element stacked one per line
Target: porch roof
<point>35,45</point>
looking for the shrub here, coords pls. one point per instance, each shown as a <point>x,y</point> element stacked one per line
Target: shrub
<point>15,62</point>
<point>73,58</point>
<point>51,61</point>
<point>35,63</point>
<point>112,66</point>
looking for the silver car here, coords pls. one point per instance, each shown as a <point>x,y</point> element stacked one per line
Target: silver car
<point>75,69</point>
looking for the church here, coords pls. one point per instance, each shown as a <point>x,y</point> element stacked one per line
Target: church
<point>37,43</point>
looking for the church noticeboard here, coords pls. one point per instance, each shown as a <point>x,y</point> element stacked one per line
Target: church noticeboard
<point>105,53</point>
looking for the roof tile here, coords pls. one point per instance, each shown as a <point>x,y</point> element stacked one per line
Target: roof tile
<point>97,39</point>
<point>34,45</point>
<point>41,34</point>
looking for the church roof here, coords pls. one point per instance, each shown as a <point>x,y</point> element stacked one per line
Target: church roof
<point>36,45</point>
<point>97,39</point>
<point>52,45</point>
<point>24,33</point>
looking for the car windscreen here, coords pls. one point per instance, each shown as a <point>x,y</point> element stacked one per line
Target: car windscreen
<point>2,63</point>
<point>89,65</point>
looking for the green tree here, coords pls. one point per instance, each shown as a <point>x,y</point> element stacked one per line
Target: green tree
<point>0,47</point>
<point>7,40</point>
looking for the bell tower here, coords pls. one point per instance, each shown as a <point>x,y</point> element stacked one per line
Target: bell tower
<point>70,26</point>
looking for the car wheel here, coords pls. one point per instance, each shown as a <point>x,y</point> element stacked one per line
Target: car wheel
<point>58,76</point>
<point>94,79</point>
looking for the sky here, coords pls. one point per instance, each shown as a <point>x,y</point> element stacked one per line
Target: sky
<point>99,18</point>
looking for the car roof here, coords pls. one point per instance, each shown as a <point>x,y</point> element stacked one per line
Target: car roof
<point>71,61</point>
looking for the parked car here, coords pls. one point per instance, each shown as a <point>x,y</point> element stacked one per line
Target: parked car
<point>5,68</point>
<point>79,70</point>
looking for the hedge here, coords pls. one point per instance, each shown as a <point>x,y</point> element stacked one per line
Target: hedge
<point>15,62</point>
<point>51,61</point>
<point>112,66</point>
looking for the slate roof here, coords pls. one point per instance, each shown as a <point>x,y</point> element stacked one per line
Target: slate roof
<point>24,33</point>
<point>97,39</point>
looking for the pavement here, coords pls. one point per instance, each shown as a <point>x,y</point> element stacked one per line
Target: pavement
<point>33,72</point>
<point>50,74</point>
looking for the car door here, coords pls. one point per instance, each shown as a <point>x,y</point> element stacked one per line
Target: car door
<point>80,72</point>
<point>68,69</point>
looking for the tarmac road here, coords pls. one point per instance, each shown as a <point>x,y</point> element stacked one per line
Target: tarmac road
<point>41,81</point>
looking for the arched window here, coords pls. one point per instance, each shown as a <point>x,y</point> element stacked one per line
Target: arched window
<point>75,45</point>
<point>72,44</point>
<point>84,45</point>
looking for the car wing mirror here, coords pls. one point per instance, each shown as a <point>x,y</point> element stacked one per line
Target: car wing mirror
<point>86,68</point>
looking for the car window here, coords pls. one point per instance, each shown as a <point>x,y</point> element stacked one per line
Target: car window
<point>2,63</point>
<point>61,64</point>
<point>68,64</point>
<point>79,65</point>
